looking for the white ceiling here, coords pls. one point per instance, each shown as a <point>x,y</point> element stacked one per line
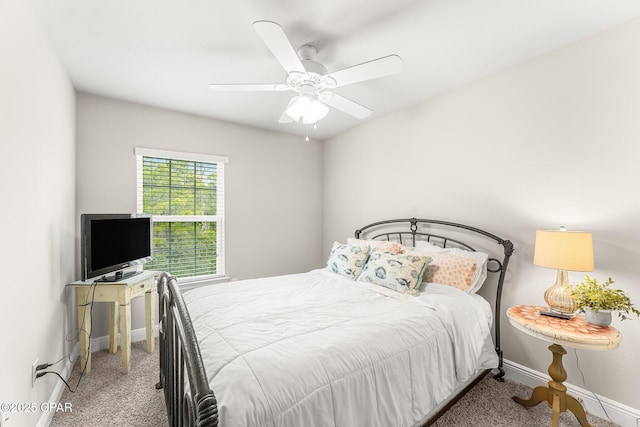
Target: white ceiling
<point>165,53</point>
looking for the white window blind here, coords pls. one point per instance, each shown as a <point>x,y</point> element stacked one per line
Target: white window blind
<point>185,194</point>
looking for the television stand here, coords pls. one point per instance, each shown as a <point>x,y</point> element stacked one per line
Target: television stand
<point>118,276</point>
<point>119,295</point>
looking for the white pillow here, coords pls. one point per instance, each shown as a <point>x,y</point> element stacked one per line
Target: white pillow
<point>480,258</point>
<point>428,247</point>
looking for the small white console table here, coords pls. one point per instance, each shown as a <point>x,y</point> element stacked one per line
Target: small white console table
<point>119,294</point>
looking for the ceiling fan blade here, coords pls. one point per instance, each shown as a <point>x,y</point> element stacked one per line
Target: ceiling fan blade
<point>276,87</point>
<point>375,68</point>
<point>276,40</point>
<point>345,105</point>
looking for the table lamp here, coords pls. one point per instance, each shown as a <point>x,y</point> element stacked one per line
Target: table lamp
<point>565,251</point>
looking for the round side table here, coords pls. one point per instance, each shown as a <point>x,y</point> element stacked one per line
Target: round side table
<point>575,332</point>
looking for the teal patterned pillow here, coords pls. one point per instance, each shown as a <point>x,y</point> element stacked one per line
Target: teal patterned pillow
<point>347,260</point>
<point>400,272</point>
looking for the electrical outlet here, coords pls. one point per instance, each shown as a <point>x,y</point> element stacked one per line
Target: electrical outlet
<point>33,373</point>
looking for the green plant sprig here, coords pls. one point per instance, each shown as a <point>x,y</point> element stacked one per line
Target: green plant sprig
<point>599,296</point>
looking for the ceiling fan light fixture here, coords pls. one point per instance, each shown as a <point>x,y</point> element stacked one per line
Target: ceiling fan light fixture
<point>306,108</point>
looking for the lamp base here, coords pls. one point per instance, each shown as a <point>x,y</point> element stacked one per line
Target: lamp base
<point>559,298</point>
<point>559,315</point>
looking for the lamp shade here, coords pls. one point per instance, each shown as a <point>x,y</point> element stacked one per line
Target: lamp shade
<point>564,250</point>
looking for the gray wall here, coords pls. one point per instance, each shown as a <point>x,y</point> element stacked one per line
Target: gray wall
<point>37,219</point>
<point>273,184</point>
<point>551,142</point>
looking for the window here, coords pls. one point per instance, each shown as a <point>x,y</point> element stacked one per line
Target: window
<point>185,194</point>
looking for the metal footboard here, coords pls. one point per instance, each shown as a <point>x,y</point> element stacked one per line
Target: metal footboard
<point>189,400</point>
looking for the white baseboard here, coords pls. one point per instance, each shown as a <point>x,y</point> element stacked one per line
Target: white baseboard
<point>97,344</point>
<point>618,413</point>
<point>102,343</point>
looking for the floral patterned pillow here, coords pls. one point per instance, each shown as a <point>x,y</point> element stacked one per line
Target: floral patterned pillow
<point>480,258</point>
<point>450,269</point>
<point>400,272</point>
<point>347,260</point>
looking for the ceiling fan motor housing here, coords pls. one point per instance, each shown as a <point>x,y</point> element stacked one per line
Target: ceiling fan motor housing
<point>316,73</point>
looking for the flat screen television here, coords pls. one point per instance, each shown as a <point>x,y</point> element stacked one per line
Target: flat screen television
<point>113,242</point>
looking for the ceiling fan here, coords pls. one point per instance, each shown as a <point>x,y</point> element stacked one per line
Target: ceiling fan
<point>310,80</point>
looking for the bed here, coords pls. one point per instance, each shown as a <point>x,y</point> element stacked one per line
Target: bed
<point>334,346</point>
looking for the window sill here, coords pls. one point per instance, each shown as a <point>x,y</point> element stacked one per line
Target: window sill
<point>194,283</point>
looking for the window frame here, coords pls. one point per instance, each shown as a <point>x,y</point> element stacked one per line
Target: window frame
<point>218,218</point>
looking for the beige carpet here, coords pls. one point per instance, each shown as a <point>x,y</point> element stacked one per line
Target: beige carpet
<point>489,404</point>
<point>108,397</point>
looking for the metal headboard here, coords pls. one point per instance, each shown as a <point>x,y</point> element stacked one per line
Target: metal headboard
<point>416,232</point>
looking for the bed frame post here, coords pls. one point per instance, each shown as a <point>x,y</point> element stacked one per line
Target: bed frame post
<point>508,251</point>
<point>179,353</point>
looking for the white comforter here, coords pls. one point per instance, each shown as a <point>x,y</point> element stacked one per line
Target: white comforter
<point>317,349</point>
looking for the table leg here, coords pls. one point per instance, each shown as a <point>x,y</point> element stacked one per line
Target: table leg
<point>576,408</point>
<point>150,304</point>
<point>539,394</point>
<point>84,325</point>
<point>113,327</point>
<point>555,411</point>
<point>556,392</point>
<point>125,336</point>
